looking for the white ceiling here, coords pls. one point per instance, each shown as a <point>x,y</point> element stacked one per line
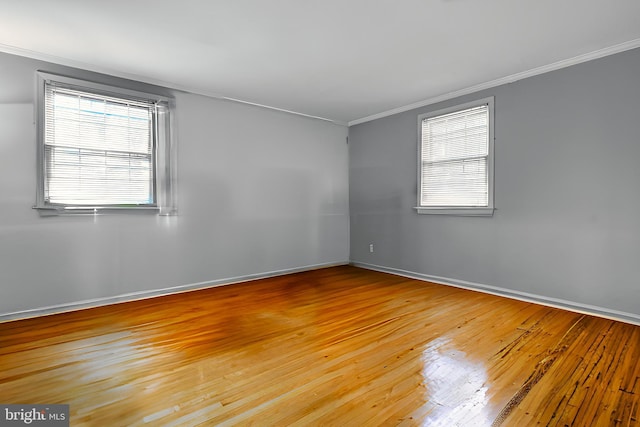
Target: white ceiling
<point>343,60</point>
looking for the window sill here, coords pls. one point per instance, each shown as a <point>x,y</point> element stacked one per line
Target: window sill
<point>97,210</point>
<point>455,211</point>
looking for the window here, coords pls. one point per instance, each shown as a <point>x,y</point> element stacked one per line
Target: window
<point>456,160</point>
<point>102,148</point>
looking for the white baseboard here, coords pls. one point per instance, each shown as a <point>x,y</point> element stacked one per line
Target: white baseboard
<point>134,296</point>
<point>509,293</point>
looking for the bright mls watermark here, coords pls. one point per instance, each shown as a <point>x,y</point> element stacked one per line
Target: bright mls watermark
<point>34,415</point>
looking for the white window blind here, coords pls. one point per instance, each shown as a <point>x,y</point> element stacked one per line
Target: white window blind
<point>455,159</point>
<point>98,150</point>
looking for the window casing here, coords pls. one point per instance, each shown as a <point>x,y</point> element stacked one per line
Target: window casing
<point>455,160</point>
<point>103,148</point>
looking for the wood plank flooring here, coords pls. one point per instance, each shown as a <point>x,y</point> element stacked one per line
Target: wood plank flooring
<point>340,346</point>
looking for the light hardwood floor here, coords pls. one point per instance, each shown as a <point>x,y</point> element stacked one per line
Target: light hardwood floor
<point>339,346</point>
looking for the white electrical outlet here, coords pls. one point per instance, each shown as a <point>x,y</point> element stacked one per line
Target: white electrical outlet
<point>371,247</point>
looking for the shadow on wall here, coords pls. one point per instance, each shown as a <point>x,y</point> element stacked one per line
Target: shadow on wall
<point>256,218</point>
<point>17,164</point>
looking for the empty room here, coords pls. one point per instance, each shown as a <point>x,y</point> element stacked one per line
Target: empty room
<point>336,213</point>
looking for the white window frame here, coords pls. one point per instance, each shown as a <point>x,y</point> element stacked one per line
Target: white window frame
<point>460,210</point>
<point>164,150</point>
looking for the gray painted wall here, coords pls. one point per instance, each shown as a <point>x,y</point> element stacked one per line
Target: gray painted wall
<point>567,191</point>
<point>258,191</point>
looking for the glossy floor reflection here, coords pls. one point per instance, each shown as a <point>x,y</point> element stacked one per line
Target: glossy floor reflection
<point>339,346</point>
<point>456,386</point>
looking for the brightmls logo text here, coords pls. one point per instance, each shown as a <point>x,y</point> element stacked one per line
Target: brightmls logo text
<point>34,415</point>
<point>28,417</point>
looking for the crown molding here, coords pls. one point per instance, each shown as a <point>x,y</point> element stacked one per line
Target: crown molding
<point>13,50</point>
<point>600,53</point>
<point>611,50</point>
